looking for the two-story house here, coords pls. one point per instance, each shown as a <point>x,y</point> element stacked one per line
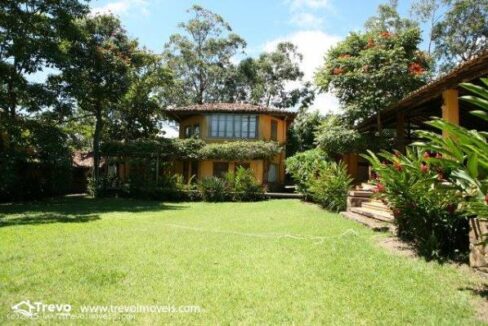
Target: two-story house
<point>226,122</point>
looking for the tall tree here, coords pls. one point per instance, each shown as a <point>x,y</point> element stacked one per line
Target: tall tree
<point>462,33</point>
<point>274,78</point>
<point>139,113</point>
<point>458,29</point>
<point>301,136</point>
<point>98,73</point>
<point>369,71</point>
<point>201,56</point>
<point>30,34</point>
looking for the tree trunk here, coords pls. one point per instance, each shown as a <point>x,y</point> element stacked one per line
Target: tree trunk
<point>96,146</point>
<point>12,100</point>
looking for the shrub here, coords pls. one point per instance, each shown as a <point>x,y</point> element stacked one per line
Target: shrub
<point>427,210</point>
<point>330,187</point>
<point>304,166</point>
<point>321,181</point>
<point>243,185</point>
<point>213,189</point>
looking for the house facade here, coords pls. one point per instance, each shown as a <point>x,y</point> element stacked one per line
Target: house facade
<point>230,122</point>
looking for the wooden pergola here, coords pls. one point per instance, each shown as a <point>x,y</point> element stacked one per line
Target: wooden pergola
<point>439,98</point>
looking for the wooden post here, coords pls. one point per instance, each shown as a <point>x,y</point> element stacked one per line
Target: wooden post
<point>400,131</point>
<point>450,108</point>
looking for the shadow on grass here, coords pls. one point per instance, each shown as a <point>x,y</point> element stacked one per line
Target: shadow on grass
<point>73,210</point>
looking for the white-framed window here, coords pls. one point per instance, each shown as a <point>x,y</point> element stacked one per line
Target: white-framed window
<point>273,173</point>
<point>228,125</point>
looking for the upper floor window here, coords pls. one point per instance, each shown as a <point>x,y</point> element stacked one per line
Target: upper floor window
<point>192,131</point>
<point>274,130</point>
<point>233,126</point>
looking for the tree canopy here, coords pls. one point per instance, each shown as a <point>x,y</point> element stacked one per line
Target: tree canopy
<point>370,70</point>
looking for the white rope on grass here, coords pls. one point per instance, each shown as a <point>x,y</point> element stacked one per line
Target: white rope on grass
<point>316,239</point>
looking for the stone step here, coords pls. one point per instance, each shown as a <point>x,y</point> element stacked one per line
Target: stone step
<point>367,186</point>
<point>360,193</point>
<point>354,201</point>
<point>373,213</point>
<point>376,205</point>
<point>369,222</point>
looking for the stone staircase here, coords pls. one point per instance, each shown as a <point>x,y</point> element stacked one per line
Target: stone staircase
<point>363,208</point>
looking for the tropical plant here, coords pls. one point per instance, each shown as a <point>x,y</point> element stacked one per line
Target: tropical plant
<point>465,152</point>
<point>329,188</point>
<point>213,189</point>
<point>427,212</point>
<point>243,185</point>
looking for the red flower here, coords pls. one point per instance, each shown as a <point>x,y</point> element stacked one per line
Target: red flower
<point>415,69</point>
<point>379,187</point>
<point>438,155</point>
<point>385,34</point>
<point>371,43</point>
<point>424,168</point>
<point>337,71</point>
<point>398,166</point>
<point>426,155</point>
<point>374,175</point>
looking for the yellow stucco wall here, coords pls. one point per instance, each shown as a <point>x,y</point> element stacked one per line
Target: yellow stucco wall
<point>260,167</point>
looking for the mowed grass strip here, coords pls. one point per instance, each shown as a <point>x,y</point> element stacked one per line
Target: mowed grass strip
<point>278,261</point>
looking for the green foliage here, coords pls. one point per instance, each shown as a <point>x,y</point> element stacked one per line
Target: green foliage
<point>465,152</point>
<point>301,136</point>
<point>164,148</point>
<point>140,111</point>
<point>240,150</point>
<point>427,212</point>
<point>192,149</point>
<point>329,188</point>
<point>201,57</point>
<point>319,179</point>
<point>213,189</point>
<point>35,162</point>
<point>31,34</point>
<point>336,137</point>
<point>305,166</point>
<point>97,74</point>
<point>462,33</point>
<point>263,80</point>
<point>371,70</point>
<point>243,185</point>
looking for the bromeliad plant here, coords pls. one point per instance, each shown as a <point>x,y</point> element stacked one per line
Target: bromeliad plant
<point>465,152</point>
<point>427,212</point>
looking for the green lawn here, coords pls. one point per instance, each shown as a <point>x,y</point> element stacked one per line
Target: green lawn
<point>279,261</point>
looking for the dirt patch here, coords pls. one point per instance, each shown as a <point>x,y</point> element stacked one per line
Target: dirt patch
<point>396,246</point>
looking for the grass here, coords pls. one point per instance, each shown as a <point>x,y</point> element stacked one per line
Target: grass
<point>266,262</point>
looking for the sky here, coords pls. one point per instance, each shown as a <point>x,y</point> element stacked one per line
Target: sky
<point>313,25</point>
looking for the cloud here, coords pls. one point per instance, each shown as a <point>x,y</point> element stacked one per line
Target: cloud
<point>306,20</point>
<point>312,4</point>
<point>313,45</point>
<point>122,7</point>
<point>304,12</point>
